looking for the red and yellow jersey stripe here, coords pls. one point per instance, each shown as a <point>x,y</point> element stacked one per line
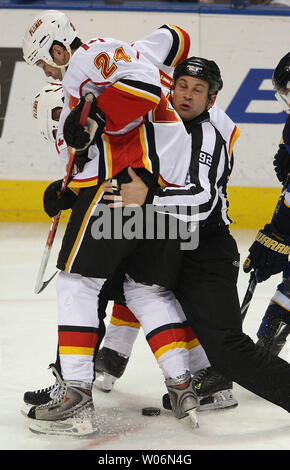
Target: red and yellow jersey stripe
<point>235,134</point>
<point>166,338</point>
<point>118,152</point>
<point>83,183</point>
<point>122,316</point>
<point>126,101</point>
<point>77,340</point>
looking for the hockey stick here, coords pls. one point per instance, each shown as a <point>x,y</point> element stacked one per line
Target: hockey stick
<point>249,294</point>
<point>40,283</point>
<point>253,279</point>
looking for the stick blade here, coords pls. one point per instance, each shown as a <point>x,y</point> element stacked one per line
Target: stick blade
<point>40,286</point>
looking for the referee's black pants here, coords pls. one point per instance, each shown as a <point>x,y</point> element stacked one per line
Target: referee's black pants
<point>207,292</point>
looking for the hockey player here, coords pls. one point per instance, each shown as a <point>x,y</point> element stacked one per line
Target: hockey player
<point>207,288</point>
<point>268,256</point>
<point>127,87</point>
<point>46,109</point>
<point>47,105</point>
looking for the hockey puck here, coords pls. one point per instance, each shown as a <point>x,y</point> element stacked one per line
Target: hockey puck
<point>150,411</point>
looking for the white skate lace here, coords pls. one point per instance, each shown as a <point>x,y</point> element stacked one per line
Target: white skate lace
<point>57,395</point>
<point>44,390</point>
<point>52,389</point>
<point>54,392</point>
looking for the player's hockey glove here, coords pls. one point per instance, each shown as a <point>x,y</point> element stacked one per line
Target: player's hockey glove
<point>81,137</point>
<point>281,163</point>
<point>81,158</point>
<point>53,203</point>
<point>268,254</point>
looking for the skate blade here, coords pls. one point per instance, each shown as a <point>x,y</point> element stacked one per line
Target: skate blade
<point>217,407</point>
<point>193,418</point>
<point>219,401</point>
<point>69,428</point>
<point>106,384</point>
<point>99,384</point>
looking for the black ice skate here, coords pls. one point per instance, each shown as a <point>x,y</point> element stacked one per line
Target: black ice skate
<point>274,339</point>
<point>110,366</point>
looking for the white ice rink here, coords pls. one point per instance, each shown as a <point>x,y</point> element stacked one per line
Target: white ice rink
<point>28,338</point>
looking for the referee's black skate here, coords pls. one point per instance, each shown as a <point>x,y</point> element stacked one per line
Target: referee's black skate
<point>214,390</point>
<point>209,381</point>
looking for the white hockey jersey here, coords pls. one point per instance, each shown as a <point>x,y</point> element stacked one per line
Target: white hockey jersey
<point>127,101</point>
<point>160,143</point>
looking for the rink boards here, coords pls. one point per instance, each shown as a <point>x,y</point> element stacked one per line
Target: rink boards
<point>246,47</point>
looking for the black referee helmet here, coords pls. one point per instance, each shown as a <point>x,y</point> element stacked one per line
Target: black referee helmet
<point>204,69</point>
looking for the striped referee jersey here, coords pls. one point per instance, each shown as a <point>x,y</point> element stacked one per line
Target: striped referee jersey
<point>204,196</point>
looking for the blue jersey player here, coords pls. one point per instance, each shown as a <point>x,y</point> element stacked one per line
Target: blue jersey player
<point>268,254</point>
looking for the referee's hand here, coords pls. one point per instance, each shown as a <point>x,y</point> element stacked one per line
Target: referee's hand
<point>131,194</point>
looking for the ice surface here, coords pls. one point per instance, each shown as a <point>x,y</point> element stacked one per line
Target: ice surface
<point>28,339</point>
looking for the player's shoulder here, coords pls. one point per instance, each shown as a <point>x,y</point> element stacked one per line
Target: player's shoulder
<point>95,46</point>
<point>224,124</point>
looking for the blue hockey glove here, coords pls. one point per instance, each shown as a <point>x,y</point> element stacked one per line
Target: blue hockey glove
<point>268,254</point>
